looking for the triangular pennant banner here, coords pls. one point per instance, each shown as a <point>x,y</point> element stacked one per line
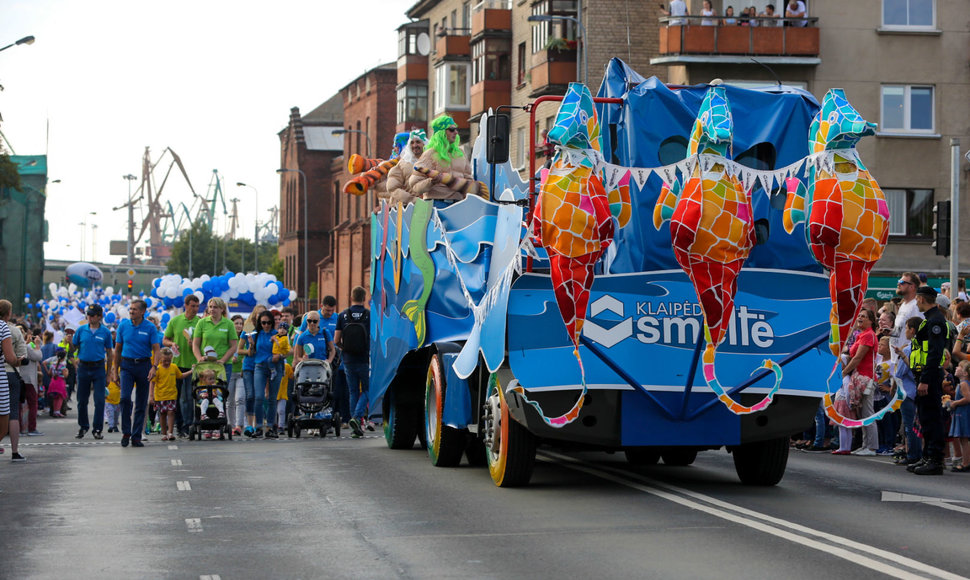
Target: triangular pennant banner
<point>687,168</point>
<point>747,179</point>
<point>612,176</point>
<point>669,174</point>
<point>765,178</point>
<point>640,175</point>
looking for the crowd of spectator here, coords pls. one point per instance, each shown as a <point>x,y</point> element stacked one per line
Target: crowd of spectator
<point>138,372</point>
<point>793,14</point>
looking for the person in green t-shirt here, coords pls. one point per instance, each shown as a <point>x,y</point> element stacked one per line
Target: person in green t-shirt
<point>236,405</point>
<point>178,335</point>
<point>217,331</point>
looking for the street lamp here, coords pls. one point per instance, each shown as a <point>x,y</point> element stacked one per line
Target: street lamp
<point>582,37</point>
<point>364,133</point>
<point>306,235</point>
<point>255,223</point>
<point>24,40</point>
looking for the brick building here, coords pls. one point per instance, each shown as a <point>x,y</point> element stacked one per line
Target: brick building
<point>309,145</point>
<point>369,119</point>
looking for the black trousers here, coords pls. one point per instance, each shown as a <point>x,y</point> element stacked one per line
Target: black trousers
<point>929,409</point>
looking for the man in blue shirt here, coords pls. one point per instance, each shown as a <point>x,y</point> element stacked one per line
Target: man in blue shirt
<point>94,344</point>
<point>136,347</point>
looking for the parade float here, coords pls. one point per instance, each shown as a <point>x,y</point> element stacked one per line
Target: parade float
<point>682,278</point>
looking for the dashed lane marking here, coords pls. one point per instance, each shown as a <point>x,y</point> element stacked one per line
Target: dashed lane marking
<point>210,577</point>
<point>194,525</point>
<point>176,462</point>
<point>173,447</point>
<point>183,486</point>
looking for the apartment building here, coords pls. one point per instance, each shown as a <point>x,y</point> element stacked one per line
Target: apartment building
<point>307,144</point>
<point>369,115</point>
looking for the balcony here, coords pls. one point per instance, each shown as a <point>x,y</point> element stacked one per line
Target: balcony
<point>489,95</point>
<point>452,45</point>
<point>552,71</point>
<point>491,17</point>
<point>412,67</point>
<point>770,41</point>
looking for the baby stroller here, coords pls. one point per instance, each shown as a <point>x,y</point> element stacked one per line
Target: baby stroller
<point>213,419</point>
<point>312,399</point>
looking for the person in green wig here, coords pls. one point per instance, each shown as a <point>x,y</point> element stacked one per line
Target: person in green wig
<point>443,153</point>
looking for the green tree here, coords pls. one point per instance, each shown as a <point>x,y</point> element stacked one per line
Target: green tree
<point>215,256</point>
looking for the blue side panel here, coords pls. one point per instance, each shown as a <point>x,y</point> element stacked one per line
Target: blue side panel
<point>648,326</point>
<point>457,410</point>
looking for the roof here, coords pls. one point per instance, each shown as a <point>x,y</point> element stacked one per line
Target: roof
<point>322,138</point>
<point>420,8</point>
<point>331,111</point>
<point>387,66</point>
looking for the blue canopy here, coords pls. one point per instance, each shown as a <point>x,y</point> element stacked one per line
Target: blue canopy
<point>652,128</point>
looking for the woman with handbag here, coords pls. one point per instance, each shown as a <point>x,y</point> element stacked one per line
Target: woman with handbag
<point>861,371</point>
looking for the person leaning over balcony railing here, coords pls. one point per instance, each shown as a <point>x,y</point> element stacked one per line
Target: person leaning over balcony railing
<point>770,17</point>
<point>796,9</point>
<point>677,8</point>
<point>729,19</point>
<point>708,12</point>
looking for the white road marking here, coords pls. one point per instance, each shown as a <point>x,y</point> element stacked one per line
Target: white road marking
<point>210,577</point>
<point>183,486</point>
<point>176,462</point>
<point>935,501</point>
<point>745,517</point>
<point>173,447</point>
<point>194,525</point>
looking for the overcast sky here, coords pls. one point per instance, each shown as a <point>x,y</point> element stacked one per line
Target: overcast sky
<point>209,78</point>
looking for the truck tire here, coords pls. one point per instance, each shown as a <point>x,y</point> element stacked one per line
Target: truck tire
<point>400,423</point>
<point>445,444</point>
<point>679,456</point>
<point>642,455</point>
<point>510,448</point>
<point>763,462</point>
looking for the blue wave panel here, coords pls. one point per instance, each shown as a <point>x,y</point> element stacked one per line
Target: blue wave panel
<point>648,325</point>
<point>457,410</point>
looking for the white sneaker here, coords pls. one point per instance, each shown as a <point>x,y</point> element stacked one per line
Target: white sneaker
<point>863,451</point>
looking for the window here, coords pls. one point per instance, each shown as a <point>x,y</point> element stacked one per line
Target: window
<point>412,104</point>
<point>491,60</point>
<point>522,68</point>
<point>520,149</point>
<point>337,194</point>
<point>909,13</point>
<point>543,32</point>
<point>910,212</point>
<point>451,87</point>
<point>907,108</point>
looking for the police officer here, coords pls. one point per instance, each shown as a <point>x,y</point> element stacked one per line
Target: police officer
<point>136,347</point>
<point>926,360</point>
<point>94,344</point>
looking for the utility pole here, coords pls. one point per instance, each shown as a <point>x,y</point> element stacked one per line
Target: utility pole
<point>954,217</point>
<point>131,221</point>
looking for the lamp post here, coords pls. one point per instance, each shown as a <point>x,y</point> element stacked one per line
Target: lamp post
<point>255,223</point>
<point>24,40</point>
<point>364,133</point>
<point>306,235</point>
<point>582,36</point>
<point>131,221</point>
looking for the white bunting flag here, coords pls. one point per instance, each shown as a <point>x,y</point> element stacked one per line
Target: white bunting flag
<point>747,179</point>
<point>765,178</point>
<point>640,175</point>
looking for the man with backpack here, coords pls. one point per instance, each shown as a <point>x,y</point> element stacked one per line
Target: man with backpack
<point>353,338</point>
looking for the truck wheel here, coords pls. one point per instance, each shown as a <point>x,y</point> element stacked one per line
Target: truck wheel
<point>445,444</point>
<point>642,455</point>
<point>510,449</point>
<point>679,456</point>
<point>400,423</point>
<point>475,452</point>
<point>763,462</point>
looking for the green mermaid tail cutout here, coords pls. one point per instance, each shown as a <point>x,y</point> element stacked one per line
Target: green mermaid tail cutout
<point>418,249</point>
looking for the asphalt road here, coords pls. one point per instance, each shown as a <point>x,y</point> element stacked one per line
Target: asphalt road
<point>344,508</point>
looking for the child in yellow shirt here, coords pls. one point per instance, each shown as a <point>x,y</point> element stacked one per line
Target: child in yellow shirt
<point>283,396</point>
<point>163,393</point>
<point>281,342</point>
<point>112,406</point>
